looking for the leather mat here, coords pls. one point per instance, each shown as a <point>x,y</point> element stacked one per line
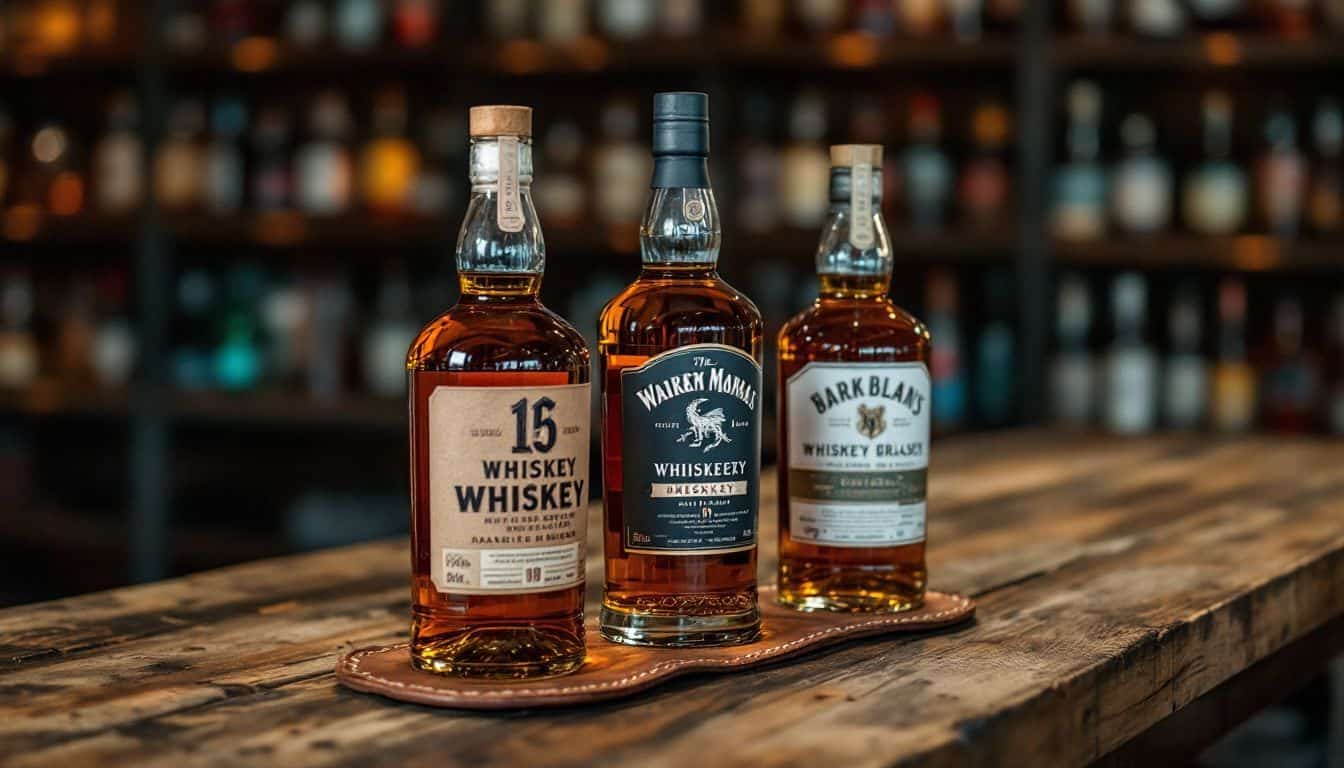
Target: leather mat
<point>612,671</point>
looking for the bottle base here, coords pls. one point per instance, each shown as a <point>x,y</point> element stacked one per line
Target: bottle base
<point>501,653</point>
<point>631,628</point>
<point>838,601</point>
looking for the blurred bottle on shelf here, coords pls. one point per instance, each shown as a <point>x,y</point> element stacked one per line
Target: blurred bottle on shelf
<point>323,170</point>
<point>762,19</point>
<point>328,361</point>
<point>820,17</point>
<point>927,181</point>
<point>946,367</point>
<point>19,361</point>
<point>1325,201</point>
<point>1185,381</point>
<point>285,321</point>
<point>995,363</point>
<point>1141,185</point>
<point>197,298</point>
<point>114,344</point>
<point>389,162</point>
<point>47,28</point>
<point>621,168</point>
<point>967,19</point>
<point>804,165</point>
<point>75,333</point>
<point>1289,19</point>
<point>272,182</point>
<point>507,19</point>
<point>1156,18</point>
<point>185,31</point>
<point>560,193</point>
<point>758,170</point>
<point>1129,405</point>
<point>1217,13</point>
<point>1079,210</point>
<point>627,20</point>
<point>442,133</point>
<point>118,159</point>
<point>1282,175</point>
<point>306,23</point>
<point>237,361</point>
<point>681,19</point>
<point>225,174</point>
<point>60,185</point>
<point>100,22</point>
<point>563,22</point>
<point>1233,392</point>
<point>415,23</point>
<point>984,179</point>
<point>388,336</point>
<point>358,24</point>
<point>1072,380</point>
<point>179,168</point>
<point>233,20</point>
<point>1334,396</point>
<point>1214,198</point>
<point>1292,376</point>
<point>1092,17</point>
<point>875,17</point>
<point>923,18</point>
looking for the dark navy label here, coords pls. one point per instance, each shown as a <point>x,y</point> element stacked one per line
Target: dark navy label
<point>691,433</point>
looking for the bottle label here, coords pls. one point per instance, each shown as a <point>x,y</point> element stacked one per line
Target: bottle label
<point>858,453</point>
<point>861,206</point>
<point>509,211</point>
<point>691,435</point>
<point>508,488</point>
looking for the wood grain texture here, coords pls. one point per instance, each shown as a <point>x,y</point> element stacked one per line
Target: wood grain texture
<point>1116,581</point>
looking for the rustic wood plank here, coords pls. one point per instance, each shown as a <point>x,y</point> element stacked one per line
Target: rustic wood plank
<point>1119,582</point>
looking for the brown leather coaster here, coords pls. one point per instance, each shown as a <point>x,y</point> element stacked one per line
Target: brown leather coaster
<point>612,671</point>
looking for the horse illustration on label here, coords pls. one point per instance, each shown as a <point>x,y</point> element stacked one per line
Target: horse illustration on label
<point>704,425</point>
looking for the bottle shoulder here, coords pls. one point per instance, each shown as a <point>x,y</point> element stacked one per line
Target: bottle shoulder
<point>670,302</point>
<point>523,337</point>
<point>844,330</point>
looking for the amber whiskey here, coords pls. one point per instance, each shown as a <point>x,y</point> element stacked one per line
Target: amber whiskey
<point>853,417</point>
<point>681,388</point>
<point>499,407</point>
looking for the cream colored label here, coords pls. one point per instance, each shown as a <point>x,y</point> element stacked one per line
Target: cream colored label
<point>509,211</point>
<point>861,206</point>
<point>508,488</point>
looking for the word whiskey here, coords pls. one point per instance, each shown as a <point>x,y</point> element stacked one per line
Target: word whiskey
<point>499,403</point>
<point>853,417</point>
<point>681,387</point>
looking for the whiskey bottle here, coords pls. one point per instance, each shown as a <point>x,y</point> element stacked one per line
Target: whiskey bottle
<point>681,393</point>
<point>499,441</point>
<point>854,417</point>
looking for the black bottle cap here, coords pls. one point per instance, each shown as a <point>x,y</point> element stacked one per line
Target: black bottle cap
<point>681,123</point>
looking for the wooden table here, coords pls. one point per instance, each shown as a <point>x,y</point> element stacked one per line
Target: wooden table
<point>1137,597</point>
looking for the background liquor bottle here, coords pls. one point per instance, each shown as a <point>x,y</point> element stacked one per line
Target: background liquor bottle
<point>223,185</point>
<point>389,162</point>
<point>803,165</point>
<point>670,581</point>
<point>1185,381</point>
<point>323,170</point>
<point>1233,393</point>
<point>1282,173</point>
<point>1292,375</point>
<point>985,180</point>
<point>995,368</point>
<point>928,174</point>
<point>562,193</point>
<point>758,204</point>
<point>118,176</point>
<point>1325,200</point>
<point>1130,403</point>
<point>272,182</point>
<point>1072,377</point>
<point>497,363</point>
<point>1080,186</point>
<point>1141,184</point>
<point>620,171</point>
<point>179,168</point>
<point>945,360</point>
<point>1214,198</point>
<point>839,550</point>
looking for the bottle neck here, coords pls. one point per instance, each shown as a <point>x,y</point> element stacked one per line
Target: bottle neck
<point>854,255</point>
<point>680,230</point>
<point>500,249</point>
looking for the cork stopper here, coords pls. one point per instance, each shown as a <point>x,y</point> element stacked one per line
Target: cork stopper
<point>848,155</point>
<point>501,120</point>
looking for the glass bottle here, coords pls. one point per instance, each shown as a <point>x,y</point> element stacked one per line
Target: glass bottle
<point>1325,201</point>
<point>323,170</point>
<point>627,20</point>
<point>681,19</point>
<point>1282,175</point>
<point>118,176</point>
<point>946,362</point>
<point>225,178</point>
<point>507,19</point>
<point>1092,17</point>
<point>562,194</point>
<point>1141,184</point>
<point>995,370</point>
<point>1080,186</point>
<point>1185,380</point>
<point>928,173</point>
<point>389,162</point>
<point>442,134</point>
<point>562,22</point>
<point>179,168</point>
<point>620,170</point>
<point>19,357</point>
<point>502,381</point>
<point>358,23</point>
<point>804,167</point>
<point>758,170</point>
<point>114,341</point>
<point>854,378</point>
<point>681,388</point>
<point>1072,373</point>
<point>819,17</point>
<point>54,170</point>
<point>388,336</point>
<point>1232,396</point>
<point>985,182</point>
<point>1292,376</point>
<point>305,23</point>
<point>1157,18</point>
<point>415,23</point>
<point>1130,404</point>
<point>1214,198</point>
<point>272,182</point>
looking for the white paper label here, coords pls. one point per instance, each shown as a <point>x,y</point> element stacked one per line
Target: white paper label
<point>858,453</point>
<point>509,211</point>
<point>861,206</point>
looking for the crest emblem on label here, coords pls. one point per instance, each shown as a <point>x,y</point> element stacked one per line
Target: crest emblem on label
<point>693,209</point>
<point>871,422</point>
